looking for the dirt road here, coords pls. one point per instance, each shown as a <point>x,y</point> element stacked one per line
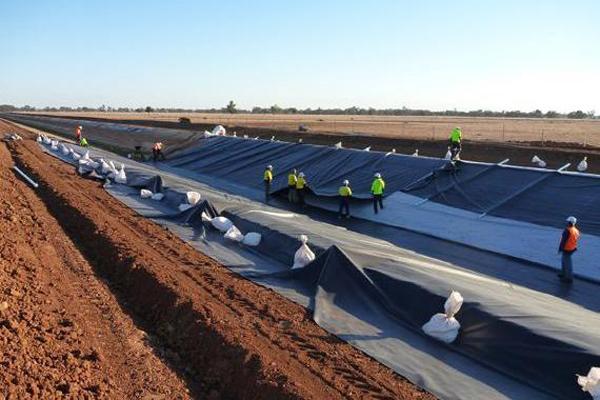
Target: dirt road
<point>105,304</point>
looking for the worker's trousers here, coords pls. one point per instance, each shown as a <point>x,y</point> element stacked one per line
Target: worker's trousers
<point>267,190</point>
<point>300,193</point>
<point>344,206</point>
<point>157,155</point>
<point>567,266</point>
<point>292,193</point>
<point>455,148</point>
<point>377,201</point>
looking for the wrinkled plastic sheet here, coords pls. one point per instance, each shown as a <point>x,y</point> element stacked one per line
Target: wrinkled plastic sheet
<point>515,343</point>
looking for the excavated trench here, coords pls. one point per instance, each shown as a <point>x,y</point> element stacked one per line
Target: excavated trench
<point>227,337</point>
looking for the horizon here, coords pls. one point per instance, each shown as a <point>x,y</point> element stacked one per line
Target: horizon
<point>434,56</point>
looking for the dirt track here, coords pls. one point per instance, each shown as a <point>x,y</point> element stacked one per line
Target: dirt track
<point>105,304</point>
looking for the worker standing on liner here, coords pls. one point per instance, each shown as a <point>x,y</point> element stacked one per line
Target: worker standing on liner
<point>456,143</point>
<point>78,132</point>
<point>157,151</point>
<point>83,142</point>
<point>345,193</point>
<point>301,185</point>
<point>267,180</point>
<point>292,180</point>
<point>568,246</point>
<point>377,188</point>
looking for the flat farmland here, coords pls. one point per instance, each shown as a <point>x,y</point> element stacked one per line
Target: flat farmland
<point>583,132</point>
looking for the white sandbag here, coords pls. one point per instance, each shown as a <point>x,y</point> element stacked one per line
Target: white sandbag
<point>540,163</point>
<point>54,145</point>
<point>445,327</point>
<point>64,150</point>
<point>193,197</point>
<point>234,234</point>
<point>304,254</point>
<point>145,194</point>
<point>158,196</point>
<point>121,177</point>
<point>86,155</point>
<point>184,207</point>
<point>47,140</point>
<point>583,165</point>
<point>75,156</point>
<point>252,239</point>
<point>207,134</point>
<point>221,223</point>
<point>39,139</point>
<point>591,382</point>
<point>104,167</point>
<point>218,130</point>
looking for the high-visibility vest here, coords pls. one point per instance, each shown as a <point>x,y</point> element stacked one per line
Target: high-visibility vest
<point>571,242</point>
<point>345,191</point>
<point>300,183</point>
<point>377,186</point>
<point>456,135</point>
<point>83,142</point>
<point>268,176</point>
<point>292,179</point>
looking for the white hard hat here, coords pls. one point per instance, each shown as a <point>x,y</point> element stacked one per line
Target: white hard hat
<point>346,182</point>
<point>269,167</point>
<point>377,175</point>
<point>301,174</point>
<point>80,127</point>
<point>572,220</point>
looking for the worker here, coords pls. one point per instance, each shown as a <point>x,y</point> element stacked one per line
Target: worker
<point>83,142</point>
<point>78,132</point>
<point>345,193</point>
<point>267,180</point>
<point>455,143</point>
<point>157,151</point>
<point>377,188</point>
<point>301,185</point>
<point>568,246</point>
<point>137,154</point>
<point>292,180</point>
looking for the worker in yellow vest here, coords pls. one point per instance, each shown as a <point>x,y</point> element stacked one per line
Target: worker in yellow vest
<point>83,142</point>
<point>345,193</point>
<point>456,143</point>
<point>377,188</point>
<point>568,246</point>
<point>267,180</point>
<point>301,186</point>
<point>292,180</point>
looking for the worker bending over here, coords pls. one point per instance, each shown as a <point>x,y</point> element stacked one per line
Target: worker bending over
<point>83,142</point>
<point>455,143</point>
<point>78,132</point>
<point>301,186</point>
<point>157,151</point>
<point>345,193</point>
<point>568,246</point>
<point>377,188</point>
<point>267,180</point>
<point>292,181</point>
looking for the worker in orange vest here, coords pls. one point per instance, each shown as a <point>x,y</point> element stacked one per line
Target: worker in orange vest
<point>78,131</point>
<point>568,246</point>
<point>157,151</point>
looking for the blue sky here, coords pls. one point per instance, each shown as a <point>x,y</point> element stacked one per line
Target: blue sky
<point>463,54</point>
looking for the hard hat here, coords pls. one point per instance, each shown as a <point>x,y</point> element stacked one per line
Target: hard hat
<point>301,174</point>
<point>346,183</point>
<point>572,220</point>
<point>378,175</point>
<point>80,127</point>
<point>269,167</point>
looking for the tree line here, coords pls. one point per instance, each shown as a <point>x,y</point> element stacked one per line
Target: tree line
<point>232,108</point>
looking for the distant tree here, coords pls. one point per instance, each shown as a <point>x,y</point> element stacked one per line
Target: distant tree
<point>7,108</point>
<point>275,109</point>
<point>591,113</point>
<point>552,114</point>
<point>231,107</point>
<point>576,114</point>
<point>149,109</point>
<point>537,114</point>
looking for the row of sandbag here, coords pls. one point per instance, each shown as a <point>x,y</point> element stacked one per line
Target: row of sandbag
<point>107,169</point>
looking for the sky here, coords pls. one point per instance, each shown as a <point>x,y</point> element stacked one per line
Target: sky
<point>438,55</point>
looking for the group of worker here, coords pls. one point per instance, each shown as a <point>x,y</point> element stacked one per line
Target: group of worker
<point>298,185</point>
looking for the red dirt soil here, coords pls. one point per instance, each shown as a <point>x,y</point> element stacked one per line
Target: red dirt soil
<point>101,276</point>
